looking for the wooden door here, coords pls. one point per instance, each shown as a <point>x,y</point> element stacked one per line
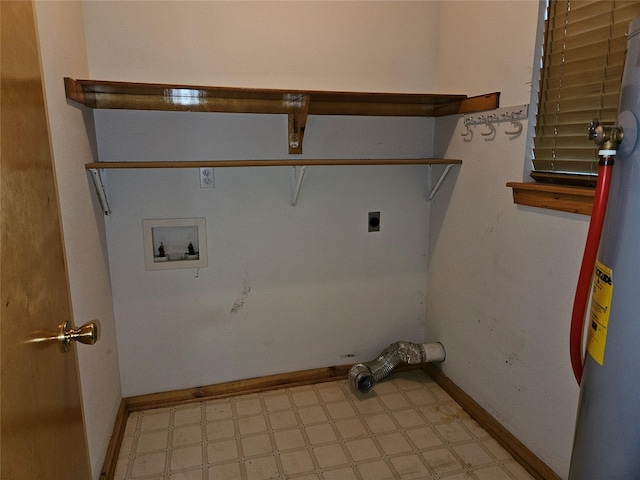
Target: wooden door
<point>42,430</point>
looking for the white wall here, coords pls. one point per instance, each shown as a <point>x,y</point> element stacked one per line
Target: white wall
<point>312,284</point>
<point>343,45</point>
<point>501,277</point>
<point>61,35</point>
<point>316,288</point>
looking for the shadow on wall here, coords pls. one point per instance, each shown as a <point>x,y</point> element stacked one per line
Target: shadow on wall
<point>445,129</point>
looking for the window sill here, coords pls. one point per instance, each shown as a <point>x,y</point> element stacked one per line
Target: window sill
<point>553,197</point>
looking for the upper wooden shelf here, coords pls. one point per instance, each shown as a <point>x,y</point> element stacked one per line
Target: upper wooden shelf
<point>149,96</point>
<point>297,104</point>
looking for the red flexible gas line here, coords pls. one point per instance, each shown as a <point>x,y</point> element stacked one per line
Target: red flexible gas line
<point>588,262</point>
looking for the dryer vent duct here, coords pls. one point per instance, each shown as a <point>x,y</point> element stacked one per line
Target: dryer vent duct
<point>364,376</point>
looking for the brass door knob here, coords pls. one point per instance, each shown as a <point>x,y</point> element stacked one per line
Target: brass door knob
<point>87,333</point>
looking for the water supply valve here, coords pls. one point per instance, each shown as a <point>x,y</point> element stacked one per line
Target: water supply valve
<point>607,137</point>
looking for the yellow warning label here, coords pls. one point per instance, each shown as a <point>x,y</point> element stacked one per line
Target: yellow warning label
<point>601,293</point>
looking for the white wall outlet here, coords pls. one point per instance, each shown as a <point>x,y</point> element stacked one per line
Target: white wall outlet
<point>207,179</point>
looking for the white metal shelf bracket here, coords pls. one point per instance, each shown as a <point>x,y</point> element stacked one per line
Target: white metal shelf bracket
<point>297,175</point>
<point>444,174</point>
<point>102,194</point>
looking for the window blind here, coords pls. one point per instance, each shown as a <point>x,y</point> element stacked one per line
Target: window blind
<point>582,63</point>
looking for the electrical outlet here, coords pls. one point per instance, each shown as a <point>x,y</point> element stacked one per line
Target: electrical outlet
<point>206,177</point>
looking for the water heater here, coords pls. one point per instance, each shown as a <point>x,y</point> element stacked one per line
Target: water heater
<point>607,436</point>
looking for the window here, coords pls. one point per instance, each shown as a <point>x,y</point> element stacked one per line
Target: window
<point>582,63</point>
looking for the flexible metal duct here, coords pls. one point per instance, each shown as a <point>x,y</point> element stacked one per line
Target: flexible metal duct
<point>364,376</point>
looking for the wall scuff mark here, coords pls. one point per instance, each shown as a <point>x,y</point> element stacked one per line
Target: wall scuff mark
<point>239,303</point>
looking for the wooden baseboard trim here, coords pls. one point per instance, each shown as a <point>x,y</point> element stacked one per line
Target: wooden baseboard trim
<point>525,457</point>
<point>111,458</point>
<point>240,387</point>
<point>520,453</point>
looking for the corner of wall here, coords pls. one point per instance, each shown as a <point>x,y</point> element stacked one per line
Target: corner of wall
<point>63,53</point>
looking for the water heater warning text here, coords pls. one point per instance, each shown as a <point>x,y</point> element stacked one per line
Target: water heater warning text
<point>601,293</point>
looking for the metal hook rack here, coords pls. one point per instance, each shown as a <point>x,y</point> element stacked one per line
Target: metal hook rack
<point>514,114</point>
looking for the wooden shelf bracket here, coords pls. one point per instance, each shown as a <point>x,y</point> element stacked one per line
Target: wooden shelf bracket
<point>297,121</point>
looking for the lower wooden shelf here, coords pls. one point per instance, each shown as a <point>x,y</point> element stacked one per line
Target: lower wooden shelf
<point>297,173</point>
<point>273,163</point>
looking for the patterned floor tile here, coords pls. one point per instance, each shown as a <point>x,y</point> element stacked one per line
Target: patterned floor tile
<point>407,428</point>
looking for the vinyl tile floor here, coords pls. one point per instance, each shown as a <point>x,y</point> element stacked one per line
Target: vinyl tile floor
<point>407,428</point>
